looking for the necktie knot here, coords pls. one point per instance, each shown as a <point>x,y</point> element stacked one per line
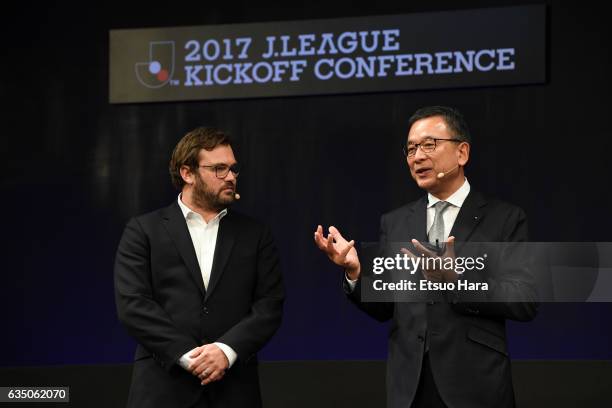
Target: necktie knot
<point>440,206</point>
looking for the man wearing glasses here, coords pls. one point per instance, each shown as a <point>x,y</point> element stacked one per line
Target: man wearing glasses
<point>198,286</point>
<point>449,353</point>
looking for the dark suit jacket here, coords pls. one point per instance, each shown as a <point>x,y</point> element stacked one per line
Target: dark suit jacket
<point>162,303</point>
<point>466,340</point>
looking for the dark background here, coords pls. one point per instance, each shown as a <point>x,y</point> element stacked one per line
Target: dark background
<point>75,168</point>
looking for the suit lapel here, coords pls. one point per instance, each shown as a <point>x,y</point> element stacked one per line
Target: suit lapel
<point>226,237</point>
<point>177,229</point>
<point>469,217</point>
<point>416,220</point>
<point>416,228</point>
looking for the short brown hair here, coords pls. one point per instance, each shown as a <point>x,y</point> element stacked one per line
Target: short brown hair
<point>188,148</point>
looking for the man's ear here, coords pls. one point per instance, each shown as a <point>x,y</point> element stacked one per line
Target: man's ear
<point>187,175</point>
<point>463,153</point>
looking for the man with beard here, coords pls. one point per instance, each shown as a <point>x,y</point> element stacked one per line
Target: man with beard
<point>198,286</point>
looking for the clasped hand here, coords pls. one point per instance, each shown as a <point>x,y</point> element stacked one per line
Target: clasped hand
<point>208,363</point>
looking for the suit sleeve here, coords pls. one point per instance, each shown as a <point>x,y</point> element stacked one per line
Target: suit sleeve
<point>144,319</point>
<point>512,290</point>
<point>250,334</point>
<point>381,311</point>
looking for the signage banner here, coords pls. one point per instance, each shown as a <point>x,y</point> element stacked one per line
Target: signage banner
<point>471,48</point>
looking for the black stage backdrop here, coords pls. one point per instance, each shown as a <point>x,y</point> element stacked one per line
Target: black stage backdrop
<point>75,168</point>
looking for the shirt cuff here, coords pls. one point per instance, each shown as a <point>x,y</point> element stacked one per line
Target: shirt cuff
<point>229,353</point>
<point>351,283</point>
<point>185,360</point>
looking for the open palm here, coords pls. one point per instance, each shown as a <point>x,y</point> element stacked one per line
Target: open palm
<point>337,248</point>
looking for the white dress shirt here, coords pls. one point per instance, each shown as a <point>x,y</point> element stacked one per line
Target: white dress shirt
<point>449,215</point>
<point>204,238</point>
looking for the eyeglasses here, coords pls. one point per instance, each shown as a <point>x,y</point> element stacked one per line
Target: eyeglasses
<point>427,146</point>
<point>222,170</point>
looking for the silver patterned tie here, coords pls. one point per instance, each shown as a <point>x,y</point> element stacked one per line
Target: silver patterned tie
<point>436,232</point>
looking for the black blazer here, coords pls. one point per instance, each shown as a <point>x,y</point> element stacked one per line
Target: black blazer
<point>162,303</point>
<point>466,339</point>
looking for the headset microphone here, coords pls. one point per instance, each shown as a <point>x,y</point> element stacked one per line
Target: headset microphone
<point>237,196</point>
<point>444,173</point>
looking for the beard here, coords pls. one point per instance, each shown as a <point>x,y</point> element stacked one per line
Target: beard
<point>205,197</point>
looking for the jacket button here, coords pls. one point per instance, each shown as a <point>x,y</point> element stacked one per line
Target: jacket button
<point>421,338</point>
<point>205,310</point>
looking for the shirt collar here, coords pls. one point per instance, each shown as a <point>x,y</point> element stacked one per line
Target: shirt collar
<point>456,199</point>
<point>187,211</point>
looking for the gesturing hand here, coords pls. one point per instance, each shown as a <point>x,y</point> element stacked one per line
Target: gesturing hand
<point>339,250</point>
<point>436,274</point>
